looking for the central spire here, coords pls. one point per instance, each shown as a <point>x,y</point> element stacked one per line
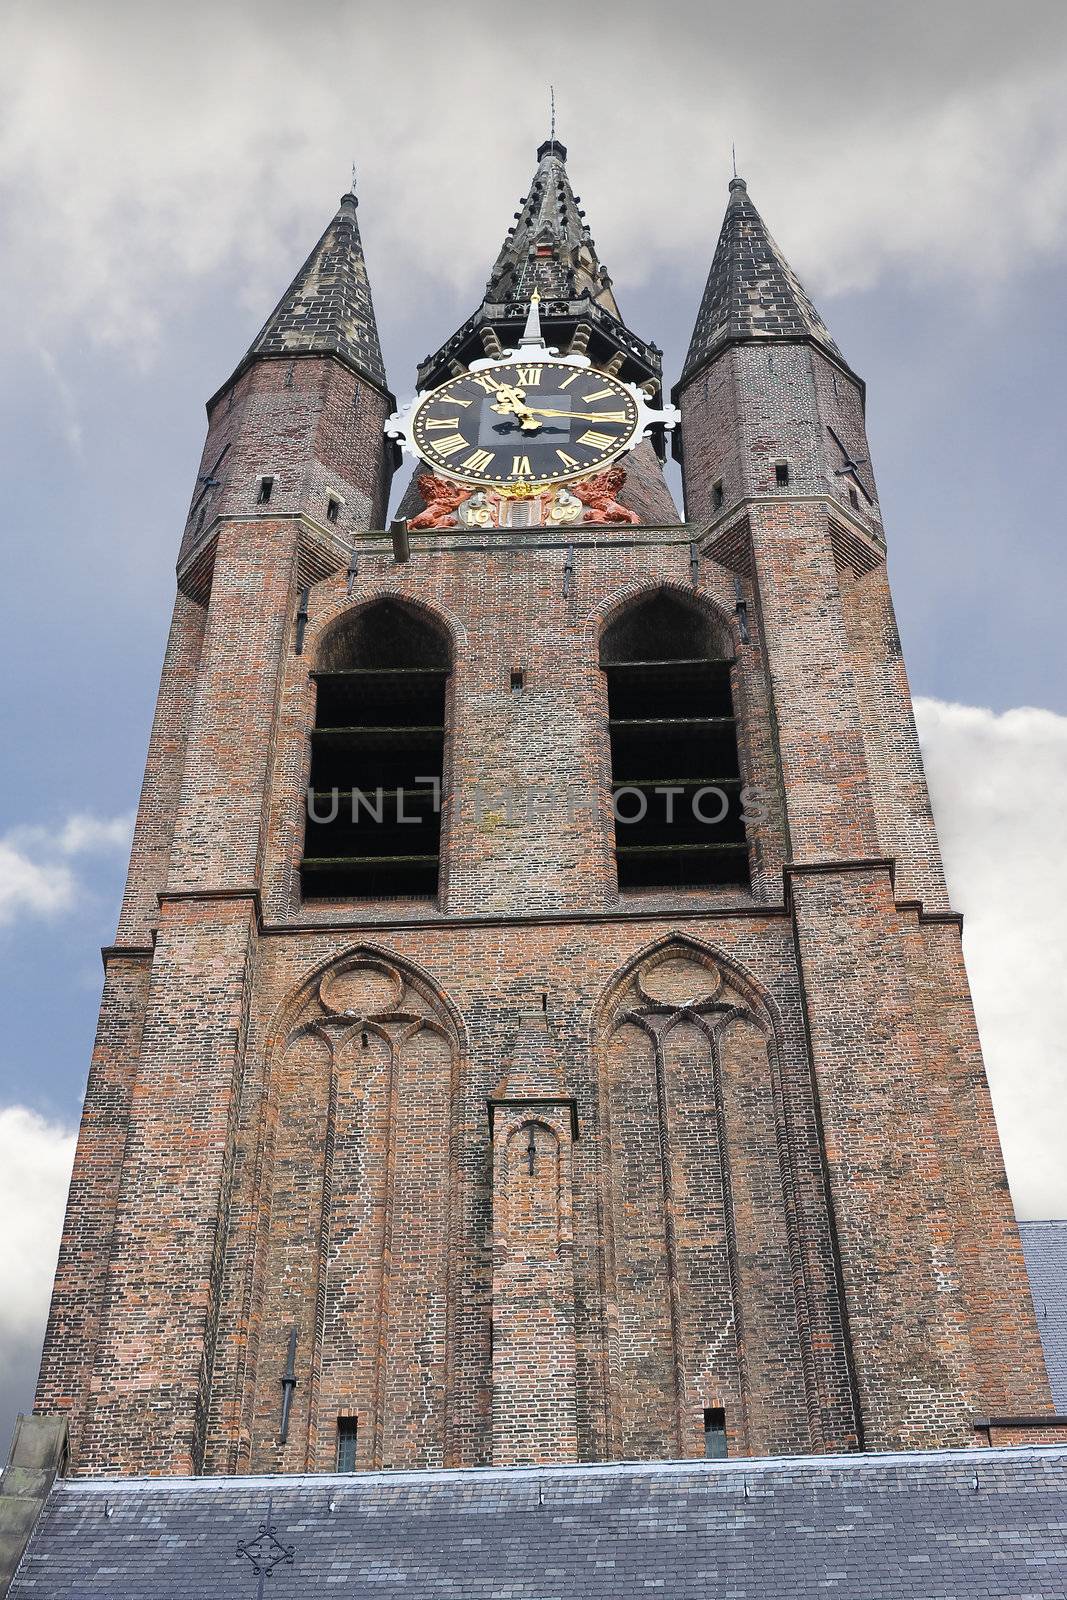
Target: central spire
<point>549,251</point>
<point>550,248</point>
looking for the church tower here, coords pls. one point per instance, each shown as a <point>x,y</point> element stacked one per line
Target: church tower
<point>537,1029</point>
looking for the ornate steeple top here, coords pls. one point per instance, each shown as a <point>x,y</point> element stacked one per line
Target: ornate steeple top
<point>549,249</point>
<point>327,308</point>
<point>752,292</point>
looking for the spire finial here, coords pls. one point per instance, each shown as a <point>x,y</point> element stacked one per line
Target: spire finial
<point>353,189</point>
<point>552,106</point>
<point>733,158</point>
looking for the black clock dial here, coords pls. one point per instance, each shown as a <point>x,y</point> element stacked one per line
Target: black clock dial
<point>536,422</point>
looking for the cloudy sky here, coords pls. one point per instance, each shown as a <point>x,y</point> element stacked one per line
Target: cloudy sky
<point>164,170</point>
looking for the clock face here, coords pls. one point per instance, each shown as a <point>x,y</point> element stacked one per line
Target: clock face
<point>525,422</point>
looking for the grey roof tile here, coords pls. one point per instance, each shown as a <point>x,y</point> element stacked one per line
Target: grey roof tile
<point>752,292</point>
<point>864,1525</point>
<point>327,308</point>
<point>1045,1249</point>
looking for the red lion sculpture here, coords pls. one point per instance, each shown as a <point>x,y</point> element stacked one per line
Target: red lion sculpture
<point>441,498</point>
<point>598,495</point>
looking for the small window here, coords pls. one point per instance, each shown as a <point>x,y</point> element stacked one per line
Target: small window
<point>347,1432</point>
<point>517,680</point>
<point>714,1433</point>
<point>264,492</point>
<point>333,508</point>
<point>781,474</point>
<point>853,498</point>
<point>717,495</point>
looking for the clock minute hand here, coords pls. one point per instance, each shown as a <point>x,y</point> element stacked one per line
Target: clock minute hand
<point>549,411</point>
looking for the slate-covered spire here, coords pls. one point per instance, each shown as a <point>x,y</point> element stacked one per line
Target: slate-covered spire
<point>752,292</point>
<point>327,308</point>
<point>549,248</point>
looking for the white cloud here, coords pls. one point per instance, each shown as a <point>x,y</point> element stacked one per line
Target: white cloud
<point>34,875</point>
<point>41,888</point>
<point>35,1163</point>
<point>999,788</point>
<point>145,147</point>
<point>82,834</point>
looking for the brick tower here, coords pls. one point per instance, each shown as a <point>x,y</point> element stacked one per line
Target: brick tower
<point>479,1124</point>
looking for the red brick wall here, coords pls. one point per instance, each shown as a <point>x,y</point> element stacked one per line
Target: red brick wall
<point>786,1196</point>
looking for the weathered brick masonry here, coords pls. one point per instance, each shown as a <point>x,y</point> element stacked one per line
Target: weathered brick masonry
<point>535,1170</point>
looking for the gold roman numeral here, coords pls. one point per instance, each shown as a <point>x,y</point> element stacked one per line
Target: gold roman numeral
<point>449,447</point>
<point>596,441</point>
<point>611,416</point>
<point>530,376</point>
<point>456,401</point>
<point>520,467</point>
<point>478,460</point>
<point>568,461</point>
<point>485,382</point>
<point>441,422</point>
<point>572,379</point>
<point>602,394</point>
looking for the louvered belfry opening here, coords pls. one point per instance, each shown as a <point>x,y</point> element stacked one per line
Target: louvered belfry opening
<point>374,803</point>
<point>676,781</point>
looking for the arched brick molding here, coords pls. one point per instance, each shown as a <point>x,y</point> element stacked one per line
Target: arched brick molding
<point>701,1303</point>
<point>357,1190</point>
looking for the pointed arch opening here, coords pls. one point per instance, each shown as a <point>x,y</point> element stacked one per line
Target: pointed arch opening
<point>374,795</point>
<point>675,776</point>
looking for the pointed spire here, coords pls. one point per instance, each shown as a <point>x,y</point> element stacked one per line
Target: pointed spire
<point>327,308</point>
<point>752,292</point>
<point>549,248</point>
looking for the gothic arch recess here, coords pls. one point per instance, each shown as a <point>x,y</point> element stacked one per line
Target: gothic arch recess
<point>699,1292</point>
<point>356,1254</point>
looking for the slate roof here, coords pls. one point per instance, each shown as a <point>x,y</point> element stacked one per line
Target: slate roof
<point>752,292</point>
<point>549,247</point>
<point>550,215</point>
<point>966,1523</point>
<point>328,307</point>
<point>1045,1249</point>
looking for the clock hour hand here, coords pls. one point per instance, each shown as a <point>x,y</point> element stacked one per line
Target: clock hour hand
<point>510,403</point>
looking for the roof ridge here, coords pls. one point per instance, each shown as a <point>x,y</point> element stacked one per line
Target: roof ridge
<point>866,1460</point>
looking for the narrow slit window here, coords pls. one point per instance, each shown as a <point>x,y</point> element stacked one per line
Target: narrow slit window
<point>714,1434</point>
<point>347,1439</point>
<point>518,681</point>
<point>853,497</point>
<point>717,494</point>
<point>781,474</point>
<point>264,491</point>
<point>373,826</point>
<point>333,508</point>
<point>675,773</point>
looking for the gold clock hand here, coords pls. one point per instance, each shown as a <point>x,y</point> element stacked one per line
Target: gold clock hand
<point>549,411</point>
<point>510,405</point>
